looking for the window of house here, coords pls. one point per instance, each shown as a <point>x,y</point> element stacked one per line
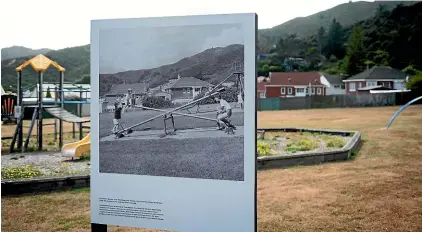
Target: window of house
<point>283,90</point>
<point>371,83</point>
<point>313,90</point>
<point>336,86</point>
<point>359,85</point>
<point>197,89</point>
<point>262,94</point>
<point>188,90</point>
<point>343,86</point>
<point>300,90</point>
<point>319,91</point>
<point>289,90</point>
<point>352,86</point>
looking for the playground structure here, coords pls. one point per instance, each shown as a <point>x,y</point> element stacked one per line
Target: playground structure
<point>40,64</point>
<point>78,148</point>
<point>401,109</point>
<point>168,115</point>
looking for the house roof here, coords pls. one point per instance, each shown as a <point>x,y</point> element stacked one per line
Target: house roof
<point>333,79</point>
<point>189,82</point>
<point>294,78</point>
<point>379,73</point>
<point>121,89</point>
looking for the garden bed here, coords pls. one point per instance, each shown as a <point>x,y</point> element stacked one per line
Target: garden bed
<point>283,147</point>
<point>289,143</point>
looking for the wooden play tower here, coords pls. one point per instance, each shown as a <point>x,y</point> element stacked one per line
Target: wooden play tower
<point>40,64</point>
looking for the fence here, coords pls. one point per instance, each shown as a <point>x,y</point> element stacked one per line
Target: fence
<point>333,101</point>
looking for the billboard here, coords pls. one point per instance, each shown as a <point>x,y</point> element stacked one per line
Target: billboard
<point>174,138</point>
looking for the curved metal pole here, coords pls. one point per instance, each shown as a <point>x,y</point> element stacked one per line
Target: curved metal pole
<point>401,109</point>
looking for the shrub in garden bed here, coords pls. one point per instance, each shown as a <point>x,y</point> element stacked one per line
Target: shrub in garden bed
<point>19,172</point>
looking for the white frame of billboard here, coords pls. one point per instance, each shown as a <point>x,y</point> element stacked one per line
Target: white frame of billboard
<point>188,204</point>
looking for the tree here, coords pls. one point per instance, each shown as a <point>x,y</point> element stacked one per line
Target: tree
<point>48,95</point>
<point>321,39</point>
<point>356,53</point>
<point>415,83</point>
<point>335,40</point>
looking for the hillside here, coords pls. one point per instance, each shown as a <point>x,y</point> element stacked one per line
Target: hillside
<point>211,65</point>
<point>75,60</point>
<point>19,51</point>
<point>346,14</point>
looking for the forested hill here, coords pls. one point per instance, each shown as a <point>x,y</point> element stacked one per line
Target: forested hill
<point>19,51</point>
<point>75,60</point>
<point>389,38</point>
<point>346,14</point>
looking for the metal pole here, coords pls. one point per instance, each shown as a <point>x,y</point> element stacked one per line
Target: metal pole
<point>61,105</point>
<point>40,110</point>
<point>19,103</point>
<point>160,115</point>
<point>182,114</point>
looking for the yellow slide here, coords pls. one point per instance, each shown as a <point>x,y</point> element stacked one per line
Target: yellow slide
<point>77,149</point>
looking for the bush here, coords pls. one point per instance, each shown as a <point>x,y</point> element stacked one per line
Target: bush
<point>302,145</point>
<point>230,95</point>
<point>156,102</point>
<point>335,142</point>
<point>263,149</point>
<point>19,172</point>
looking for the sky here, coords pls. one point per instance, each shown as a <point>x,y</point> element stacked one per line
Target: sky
<point>132,48</point>
<point>59,24</point>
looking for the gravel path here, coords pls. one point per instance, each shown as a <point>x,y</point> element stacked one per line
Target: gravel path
<point>50,164</point>
<point>216,158</point>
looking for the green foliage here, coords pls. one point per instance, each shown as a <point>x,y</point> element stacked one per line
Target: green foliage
<point>267,66</point>
<point>48,94</point>
<point>263,149</point>
<point>412,71</point>
<point>19,172</point>
<point>415,82</point>
<point>335,40</point>
<point>156,102</point>
<point>336,142</point>
<point>354,61</point>
<point>305,144</point>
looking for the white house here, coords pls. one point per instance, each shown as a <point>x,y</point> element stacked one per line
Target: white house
<point>334,84</point>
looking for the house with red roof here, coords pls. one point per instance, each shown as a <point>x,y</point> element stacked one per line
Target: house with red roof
<point>292,84</point>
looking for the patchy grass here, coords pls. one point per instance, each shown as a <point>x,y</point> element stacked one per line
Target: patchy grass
<point>380,190</point>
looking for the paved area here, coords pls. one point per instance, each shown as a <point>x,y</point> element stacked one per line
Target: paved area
<point>196,150</point>
<point>214,158</point>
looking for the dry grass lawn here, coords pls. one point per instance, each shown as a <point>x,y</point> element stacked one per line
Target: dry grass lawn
<point>380,190</point>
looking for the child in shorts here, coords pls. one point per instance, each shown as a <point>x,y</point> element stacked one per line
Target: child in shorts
<point>117,116</point>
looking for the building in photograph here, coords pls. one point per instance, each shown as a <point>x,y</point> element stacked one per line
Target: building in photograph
<point>187,88</point>
<point>376,78</point>
<point>292,84</point>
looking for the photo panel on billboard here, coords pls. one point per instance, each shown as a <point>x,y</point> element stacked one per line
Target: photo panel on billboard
<point>174,122</point>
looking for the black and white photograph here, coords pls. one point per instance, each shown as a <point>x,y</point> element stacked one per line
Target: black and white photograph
<point>172,101</point>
